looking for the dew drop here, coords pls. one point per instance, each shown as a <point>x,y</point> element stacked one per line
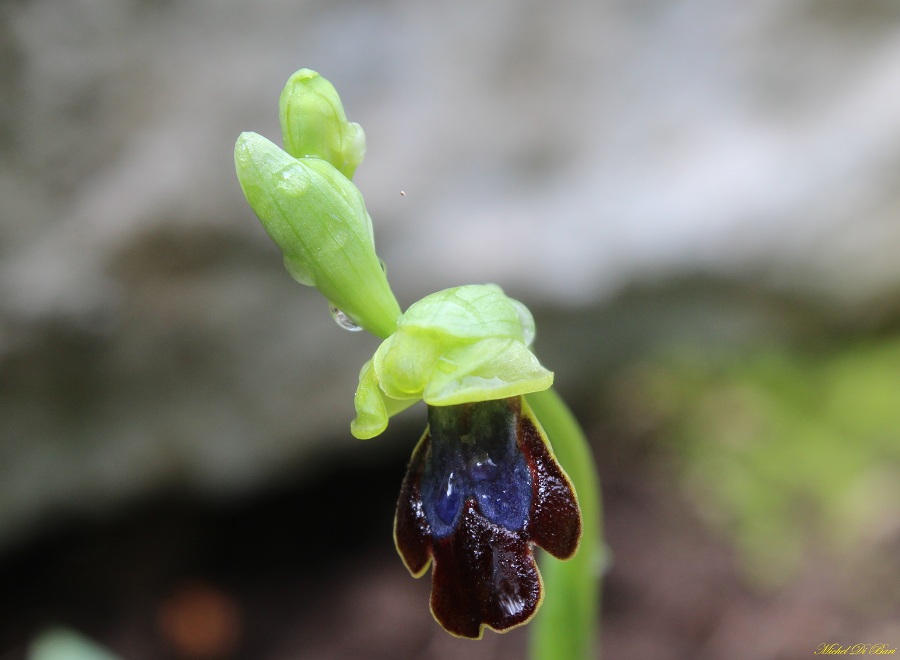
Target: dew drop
<point>342,319</point>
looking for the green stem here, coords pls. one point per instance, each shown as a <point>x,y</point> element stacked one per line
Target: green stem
<point>565,628</point>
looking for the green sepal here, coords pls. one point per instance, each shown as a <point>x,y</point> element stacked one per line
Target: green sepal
<point>492,368</point>
<point>460,345</point>
<point>373,406</point>
<point>318,218</point>
<point>313,123</point>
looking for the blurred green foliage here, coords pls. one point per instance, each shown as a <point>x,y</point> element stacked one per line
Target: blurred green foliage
<point>785,451</point>
<point>66,644</point>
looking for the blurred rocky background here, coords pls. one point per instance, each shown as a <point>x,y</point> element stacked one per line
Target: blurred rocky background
<point>699,201</point>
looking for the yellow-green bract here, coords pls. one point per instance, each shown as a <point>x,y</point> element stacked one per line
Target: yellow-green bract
<point>460,345</point>
<point>317,217</point>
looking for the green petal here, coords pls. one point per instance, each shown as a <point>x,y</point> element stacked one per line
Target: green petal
<point>371,414</point>
<point>405,361</point>
<point>373,407</point>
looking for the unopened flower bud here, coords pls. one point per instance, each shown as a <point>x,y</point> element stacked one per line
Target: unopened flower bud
<point>317,217</point>
<point>313,123</point>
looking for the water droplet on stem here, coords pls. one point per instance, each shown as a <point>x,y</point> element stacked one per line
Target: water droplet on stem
<point>342,319</point>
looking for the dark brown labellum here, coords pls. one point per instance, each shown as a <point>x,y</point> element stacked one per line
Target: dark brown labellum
<point>481,488</point>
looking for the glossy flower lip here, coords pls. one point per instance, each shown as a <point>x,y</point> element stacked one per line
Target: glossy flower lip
<point>481,488</point>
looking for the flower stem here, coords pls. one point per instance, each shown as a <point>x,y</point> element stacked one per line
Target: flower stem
<point>565,628</point>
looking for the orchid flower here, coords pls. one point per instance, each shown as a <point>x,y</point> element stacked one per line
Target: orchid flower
<point>483,485</point>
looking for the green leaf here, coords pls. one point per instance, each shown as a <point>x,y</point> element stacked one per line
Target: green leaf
<point>65,644</point>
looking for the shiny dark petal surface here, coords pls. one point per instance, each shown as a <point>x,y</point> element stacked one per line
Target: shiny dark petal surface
<point>474,454</point>
<point>412,534</point>
<point>484,575</point>
<point>555,517</point>
<point>481,487</point>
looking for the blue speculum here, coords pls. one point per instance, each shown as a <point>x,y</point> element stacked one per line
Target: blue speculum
<point>481,488</point>
<point>474,455</point>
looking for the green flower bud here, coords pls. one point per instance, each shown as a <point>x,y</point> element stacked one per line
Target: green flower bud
<point>460,345</point>
<point>313,123</point>
<point>318,219</point>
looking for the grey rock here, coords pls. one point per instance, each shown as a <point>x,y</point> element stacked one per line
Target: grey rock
<point>148,335</point>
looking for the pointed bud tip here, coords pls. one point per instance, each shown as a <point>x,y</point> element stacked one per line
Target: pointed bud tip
<point>313,123</point>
